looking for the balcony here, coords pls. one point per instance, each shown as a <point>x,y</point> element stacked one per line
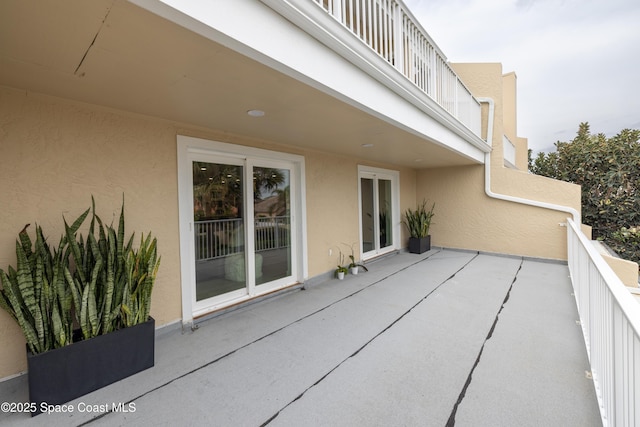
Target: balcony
<point>389,28</point>
<point>418,340</point>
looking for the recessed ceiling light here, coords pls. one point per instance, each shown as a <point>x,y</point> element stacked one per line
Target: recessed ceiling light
<point>367,145</point>
<point>255,113</point>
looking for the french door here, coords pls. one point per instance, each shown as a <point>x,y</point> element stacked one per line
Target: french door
<point>379,211</point>
<point>242,238</point>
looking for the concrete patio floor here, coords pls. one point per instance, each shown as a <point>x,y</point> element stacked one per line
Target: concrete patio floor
<point>440,339</point>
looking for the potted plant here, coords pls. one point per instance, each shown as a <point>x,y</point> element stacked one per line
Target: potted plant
<point>353,265</point>
<point>418,222</point>
<point>83,308</point>
<point>341,270</point>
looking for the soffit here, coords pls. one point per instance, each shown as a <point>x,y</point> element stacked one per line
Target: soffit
<point>112,53</point>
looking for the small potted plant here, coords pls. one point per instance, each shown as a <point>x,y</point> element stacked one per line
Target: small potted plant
<point>353,265</point>
<point>419,222</point>
<point>341,270</point>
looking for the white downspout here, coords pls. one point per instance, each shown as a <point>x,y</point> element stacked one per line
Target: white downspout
<point>487,175</point>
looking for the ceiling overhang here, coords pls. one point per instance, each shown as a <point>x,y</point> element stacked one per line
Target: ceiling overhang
<point>113,53</point>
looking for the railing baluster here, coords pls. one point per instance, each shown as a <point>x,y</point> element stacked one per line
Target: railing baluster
<point>388,29</point>
<point>611,325</point>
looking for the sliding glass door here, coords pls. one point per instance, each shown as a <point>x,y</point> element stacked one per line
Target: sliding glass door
<point>240,237</point>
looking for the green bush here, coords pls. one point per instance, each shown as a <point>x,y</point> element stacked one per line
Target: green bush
<point>626,243</point>
<point>608,170</point>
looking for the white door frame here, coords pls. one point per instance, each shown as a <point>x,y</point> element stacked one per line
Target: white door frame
<point>394,177</point>
<point>187,147</point>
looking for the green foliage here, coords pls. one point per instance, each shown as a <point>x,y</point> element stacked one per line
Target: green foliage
<point>341,268</point>
<point>626,242</point>
<point>608,169</point>
<point>352,258</point>
<point>419,221</point>
<point>100,284</point>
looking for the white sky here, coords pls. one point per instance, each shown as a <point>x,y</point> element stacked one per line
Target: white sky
<point>576,60</point>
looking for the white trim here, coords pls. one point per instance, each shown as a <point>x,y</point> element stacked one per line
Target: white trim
<point>325,56</point>
<point>187,147</point>
<point>394,177</point>
<point>318,23</point>
<point>487,176</point>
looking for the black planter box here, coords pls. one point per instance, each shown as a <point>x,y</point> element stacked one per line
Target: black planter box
<point>418,245</point>
<point>66,373</point>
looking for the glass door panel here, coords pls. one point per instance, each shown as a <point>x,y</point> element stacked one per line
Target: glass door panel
<point>384,213</point>
<point>367,220</point>
<point>219,224</point>
<point>272,223</point>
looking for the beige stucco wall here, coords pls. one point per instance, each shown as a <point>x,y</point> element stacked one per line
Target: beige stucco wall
<point>474,220</point>
<point>56,154</point>
<point>466,218</point>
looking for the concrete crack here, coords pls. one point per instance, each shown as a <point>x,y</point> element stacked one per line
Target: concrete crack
<point>372,339</point>
<point>86,52</point>
<point>452,417</point>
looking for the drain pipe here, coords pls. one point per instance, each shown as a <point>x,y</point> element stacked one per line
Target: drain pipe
<point>487,175</point>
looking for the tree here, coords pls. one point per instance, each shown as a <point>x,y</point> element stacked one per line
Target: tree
<point>608,169</point>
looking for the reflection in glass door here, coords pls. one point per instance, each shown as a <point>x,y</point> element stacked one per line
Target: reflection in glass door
<point>219,223</point>
<point>385,230</point>
<point>272,223</point>
<point>367,222</point>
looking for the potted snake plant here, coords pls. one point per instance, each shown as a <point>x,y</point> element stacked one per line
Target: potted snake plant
<point>418,222</point>
<point>83,308</point>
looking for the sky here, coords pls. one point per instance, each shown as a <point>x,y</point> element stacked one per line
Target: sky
<point>575,60</point>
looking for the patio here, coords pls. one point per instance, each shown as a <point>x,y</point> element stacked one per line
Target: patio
<point>448,337</point>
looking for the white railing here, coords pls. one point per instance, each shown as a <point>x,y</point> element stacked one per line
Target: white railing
<point>272,233</point>
<point>611,326</point>
<point>390,30</point>
<point>224,237</point>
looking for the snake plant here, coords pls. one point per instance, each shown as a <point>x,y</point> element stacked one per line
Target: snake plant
<point>419,221</point>
<point>100,283</point>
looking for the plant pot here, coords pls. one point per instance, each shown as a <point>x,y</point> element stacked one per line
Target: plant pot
<point>418,245</point>
<point>340,275</point>
<point>354,270</point>
<point>66,373</point>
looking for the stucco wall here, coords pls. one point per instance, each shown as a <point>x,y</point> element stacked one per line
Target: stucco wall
<point>494,225</point>
<point>467,218</point>
<point>56,154</point>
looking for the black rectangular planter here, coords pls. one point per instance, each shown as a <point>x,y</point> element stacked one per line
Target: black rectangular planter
<point>66,373</point>
<point>418,245</point>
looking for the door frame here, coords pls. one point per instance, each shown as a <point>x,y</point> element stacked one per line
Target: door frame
<point>188,146</point>
<point>394,177</point>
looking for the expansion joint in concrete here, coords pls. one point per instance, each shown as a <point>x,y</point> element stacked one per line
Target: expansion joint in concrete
<point>452,417</point>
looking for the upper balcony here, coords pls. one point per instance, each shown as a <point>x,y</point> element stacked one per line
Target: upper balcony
<point>338,76</point>
<point>389,28</point>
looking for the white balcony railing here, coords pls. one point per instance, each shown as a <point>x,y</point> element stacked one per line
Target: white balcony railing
<point>610,321</point>
<point>389,29</point>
